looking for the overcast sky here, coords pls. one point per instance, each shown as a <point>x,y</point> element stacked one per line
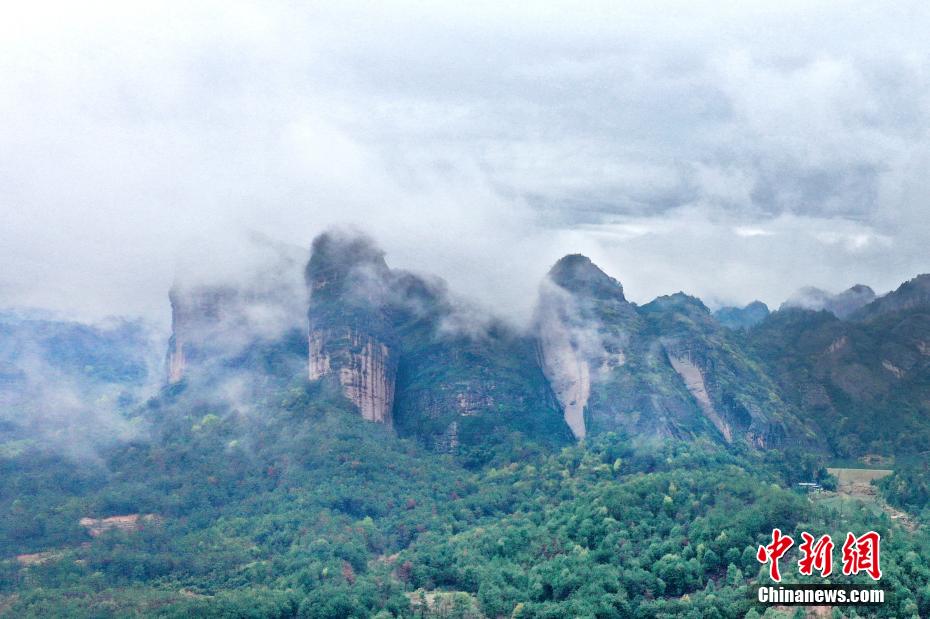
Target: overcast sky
<point>734,153</point>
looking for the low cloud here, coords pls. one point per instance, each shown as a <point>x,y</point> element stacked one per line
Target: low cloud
<point>733,152</point>
<point>73,388</point>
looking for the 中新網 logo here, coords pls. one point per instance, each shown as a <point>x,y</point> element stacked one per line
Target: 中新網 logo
<point>859,554</point>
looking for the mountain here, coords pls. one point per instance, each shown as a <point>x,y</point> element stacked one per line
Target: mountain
<point>220,320</point>
<point>664,369</point>
<point>842,305</point>
<point>728,383</point>
<point>585,328</point>
<point>859,371</point>
<point>406,354</point>
<point>911,295</point>
<point>337,438</point>
<point>865,384</point>
<point>742,317</point>
<point>351,335</point>
<point>113,351</point>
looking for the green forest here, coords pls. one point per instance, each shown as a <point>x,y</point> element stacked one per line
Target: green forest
<point>299,508</point>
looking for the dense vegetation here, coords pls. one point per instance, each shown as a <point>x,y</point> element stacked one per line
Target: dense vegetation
<point>845,375</point>
<point>909,487</point>
<point>245,490</point>
<point>290,505</point>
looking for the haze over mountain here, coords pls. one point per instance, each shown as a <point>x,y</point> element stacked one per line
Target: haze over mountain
<point>742,317</point>
<point>842,304</point>
<point>409,354</point>
<point>340,310</point>
<point>345,430</point>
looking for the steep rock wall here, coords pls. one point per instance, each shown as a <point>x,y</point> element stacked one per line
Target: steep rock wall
<point>365,368</point>
<point>567,370</point>
<point>197,316</point>
<point>406,352</point>
<point>694,380</point>
<point>176,361</point>
<point>580,353</point>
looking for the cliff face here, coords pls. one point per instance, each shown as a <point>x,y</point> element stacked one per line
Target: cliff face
<point>365,368</point>
<point>605,368</point>
<point>219,321</point>
<point>350,338</point>
<point>468,390</point>
<point>566,367</point>
<point>578,348</point>
<point>404,353</point>
<point>664,369</point>
<point>694,382</point>
<point>725,380</point>
<point>199,315</point>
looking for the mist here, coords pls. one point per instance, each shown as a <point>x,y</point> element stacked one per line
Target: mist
<point>735,153</point>
<point>73,388</point>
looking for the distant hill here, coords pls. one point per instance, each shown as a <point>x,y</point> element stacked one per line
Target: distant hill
<point>67,383</point>
<point>742,317</point>
<point>842,305</point>
<point>866,385</point>
<point>911,295</point>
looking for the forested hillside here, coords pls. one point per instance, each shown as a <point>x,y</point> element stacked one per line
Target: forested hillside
<point>392,451</point>
<point>298,507</point>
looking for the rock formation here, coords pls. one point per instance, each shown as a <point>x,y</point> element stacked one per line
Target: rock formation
<point>593,347</point>
<point>350,336</point>
<point>694,381</point>
<point>663,369</point>
<point>218,319</point>
<point>405,353</point>
<point>565,365</point>
<point>365,367</point>
<point>199,315</point>
<point>576,345</point>
<point>726,383</point>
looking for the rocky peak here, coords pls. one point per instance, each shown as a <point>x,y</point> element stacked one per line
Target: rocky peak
<point>350,336</point>
<point>197,312</point>
<point>219,313</point>
<point>909,295</point>
<point>577,274</point>
<point>583,328</point>
<point>339,259</point>
<point>850,300</point>
<point>861,289</point>
<point>407,353</point>
<point>678,302</point>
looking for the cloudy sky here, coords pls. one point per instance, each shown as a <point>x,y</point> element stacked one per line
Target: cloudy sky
<point>732,152</point>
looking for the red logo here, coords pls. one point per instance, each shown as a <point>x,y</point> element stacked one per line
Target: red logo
<point>817,556</point>
<point>774,551</point>
<point>860,554</point>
